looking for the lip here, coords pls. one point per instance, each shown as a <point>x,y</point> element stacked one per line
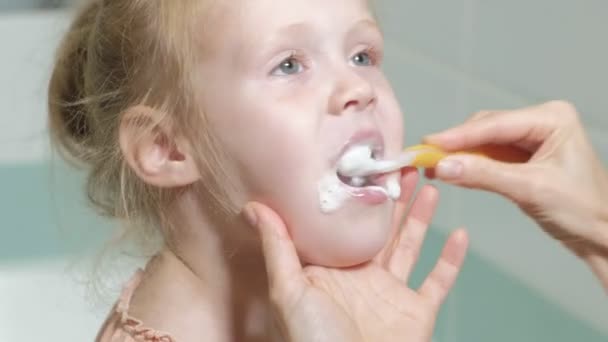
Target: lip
<point>369,195</point>
<point>371,137</point>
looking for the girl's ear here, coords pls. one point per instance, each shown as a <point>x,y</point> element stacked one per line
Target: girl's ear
<point>152,150</point>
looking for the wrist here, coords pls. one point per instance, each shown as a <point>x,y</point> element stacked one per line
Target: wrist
<point>602,226</point>
<point>596,256</point>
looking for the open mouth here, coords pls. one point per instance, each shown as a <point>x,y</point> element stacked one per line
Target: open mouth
<point>355,182</point>
<point>345,182</point>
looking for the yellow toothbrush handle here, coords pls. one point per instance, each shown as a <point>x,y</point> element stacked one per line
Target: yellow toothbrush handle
<point>430,155</point>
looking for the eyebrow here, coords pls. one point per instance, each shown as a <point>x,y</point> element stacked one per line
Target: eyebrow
<point>305,28</point>
<point>284,35</point>
<point>365,23</point>
<point>302,27</point>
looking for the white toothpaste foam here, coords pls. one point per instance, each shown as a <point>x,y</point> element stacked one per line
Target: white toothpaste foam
<point>333,193</point>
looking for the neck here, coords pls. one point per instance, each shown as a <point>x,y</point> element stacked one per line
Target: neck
<point>226,264</point>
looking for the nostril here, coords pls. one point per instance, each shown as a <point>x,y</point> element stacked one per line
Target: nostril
<point>351,103</point>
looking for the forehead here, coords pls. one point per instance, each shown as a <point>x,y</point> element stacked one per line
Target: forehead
<point>262,17</point>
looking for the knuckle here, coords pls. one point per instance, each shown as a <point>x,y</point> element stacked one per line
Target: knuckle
<point>563,109</point>
<point>480,114</point>
<point>562,105</point>
<point>540,187</point>
<point>276,294</point>
<point>406,249</point>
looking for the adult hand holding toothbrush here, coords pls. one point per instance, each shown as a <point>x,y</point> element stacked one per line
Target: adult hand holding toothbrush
<point>563,187</point>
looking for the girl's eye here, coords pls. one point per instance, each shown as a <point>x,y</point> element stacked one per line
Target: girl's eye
<point>362,59</point>
<point>290,66</point>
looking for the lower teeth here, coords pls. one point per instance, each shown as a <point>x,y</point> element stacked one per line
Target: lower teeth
<point>357,181</point>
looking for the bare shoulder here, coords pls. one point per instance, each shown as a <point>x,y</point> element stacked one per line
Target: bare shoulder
<point>174,303</point>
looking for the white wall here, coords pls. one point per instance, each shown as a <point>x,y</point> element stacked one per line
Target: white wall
<point>45,301</point>
<point>41,299</point>
<point>29,41</point>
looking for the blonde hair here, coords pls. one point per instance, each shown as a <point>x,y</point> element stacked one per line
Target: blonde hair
<point>118,54</point>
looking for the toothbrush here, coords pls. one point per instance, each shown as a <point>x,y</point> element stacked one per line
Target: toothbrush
<point>428,156</point>
<point>359,163</point>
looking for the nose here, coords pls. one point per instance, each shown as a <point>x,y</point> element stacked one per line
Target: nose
<point>351,92</point>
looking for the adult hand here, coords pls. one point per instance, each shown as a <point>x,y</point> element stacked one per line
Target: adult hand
<point>564,186</point>
<point>369,302</point>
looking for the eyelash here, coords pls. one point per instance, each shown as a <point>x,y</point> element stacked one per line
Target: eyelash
<point>296,56</point>
<point>374,54</point>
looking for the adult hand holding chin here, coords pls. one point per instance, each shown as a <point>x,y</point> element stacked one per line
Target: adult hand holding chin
<point>368,302</point>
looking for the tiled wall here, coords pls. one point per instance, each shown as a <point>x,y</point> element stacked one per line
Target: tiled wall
<point>446,59</point>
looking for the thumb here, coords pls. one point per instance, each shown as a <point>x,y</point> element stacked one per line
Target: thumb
<point>477,172</point>
<point>280,255</point>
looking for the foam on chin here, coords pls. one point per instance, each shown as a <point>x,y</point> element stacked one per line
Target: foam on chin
<point>332,193</point>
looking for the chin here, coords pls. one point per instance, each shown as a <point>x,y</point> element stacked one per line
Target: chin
<point>352,236</point>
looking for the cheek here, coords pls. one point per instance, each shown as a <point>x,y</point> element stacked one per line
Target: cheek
<point>396,129</point>
<point>277,158</point>
<point>285,176</point>
<point>391,117</point>
<point>277,163</point>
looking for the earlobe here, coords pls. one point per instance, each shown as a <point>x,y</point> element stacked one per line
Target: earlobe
<point>153,151</point>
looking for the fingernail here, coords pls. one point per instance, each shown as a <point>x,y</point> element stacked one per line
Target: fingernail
<point>250,215</point>
<point>449,169</point>
<point>430,137</point>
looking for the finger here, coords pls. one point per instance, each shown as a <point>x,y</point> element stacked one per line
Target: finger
<point>442,278</point>
<point>524,128</point>
<point>483,114</point>
<point>514,181</point>
<point>409,180</point>
<point>406,248</point>
<point>429,173</point>
<point>280,256</point>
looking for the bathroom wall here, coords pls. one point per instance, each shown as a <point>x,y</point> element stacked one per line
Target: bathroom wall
<point>48,231</point>
<point>449,59</point>
<point>446,59</point>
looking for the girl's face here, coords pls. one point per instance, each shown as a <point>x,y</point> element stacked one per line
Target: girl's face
<point>289,88</point>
